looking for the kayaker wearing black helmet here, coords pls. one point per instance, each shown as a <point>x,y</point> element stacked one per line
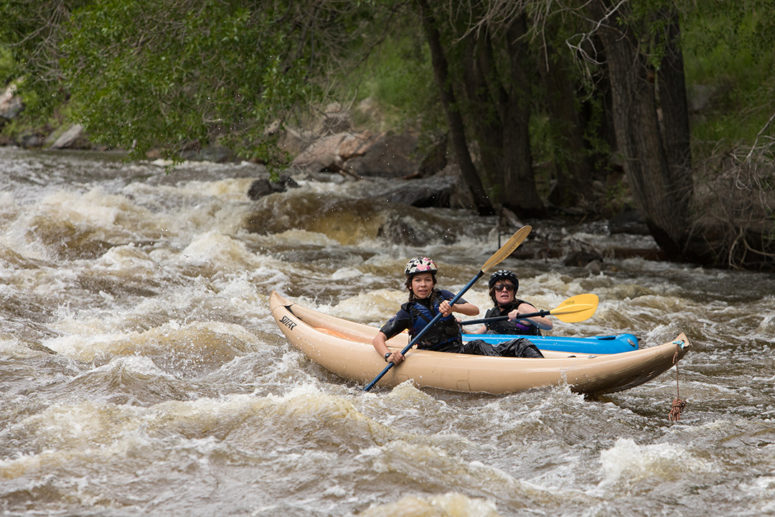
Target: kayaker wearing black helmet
<point>425,302</point>
<point>504,285</point>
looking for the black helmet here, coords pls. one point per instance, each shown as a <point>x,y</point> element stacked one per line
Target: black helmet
<point>504,274</point>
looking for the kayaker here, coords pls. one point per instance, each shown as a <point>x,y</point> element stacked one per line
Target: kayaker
<point>425,302</point>
<point>504,285</point>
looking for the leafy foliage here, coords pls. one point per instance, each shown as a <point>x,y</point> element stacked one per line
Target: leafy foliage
<point>178,73</point>
<point>7,66</point>
<point>729,62</point>
<point>30,34</point>
<point>397,75</point>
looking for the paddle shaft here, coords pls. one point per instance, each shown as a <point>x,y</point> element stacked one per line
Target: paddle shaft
<point>501,318</point>
<point>422,332</point>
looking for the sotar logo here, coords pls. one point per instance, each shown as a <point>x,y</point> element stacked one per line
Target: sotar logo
<point>287,322</point>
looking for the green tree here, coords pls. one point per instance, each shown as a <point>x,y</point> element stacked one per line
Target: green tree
<point>32,31</point>
<point>632,53</point>
<point>642,53</point>
<point>644,65</point>
<point>484,77</point>
<point>731,67</point>
<point>501,67</point>
<point>179,73</point>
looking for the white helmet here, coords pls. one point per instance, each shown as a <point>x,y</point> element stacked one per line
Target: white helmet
<point>420,265</point>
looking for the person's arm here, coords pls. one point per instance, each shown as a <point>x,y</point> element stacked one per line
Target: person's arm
<point>380,345</point>
<point>396,324</point>
<point>542,322</point>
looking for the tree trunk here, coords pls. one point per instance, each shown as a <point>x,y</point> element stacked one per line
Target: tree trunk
<point>476,68</point>
<point>518,177</point>
<point>498,107</point>
<point>451,108</point>
<point>671,92</point>
<point>572,165</point>
<point>660,176</point>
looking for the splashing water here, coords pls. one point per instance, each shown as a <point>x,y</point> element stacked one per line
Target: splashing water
<point>141,371</point>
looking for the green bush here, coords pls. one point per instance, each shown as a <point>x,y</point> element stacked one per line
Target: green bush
<point>729,60</point>
<point>7,66</point>
<point>397,75</point>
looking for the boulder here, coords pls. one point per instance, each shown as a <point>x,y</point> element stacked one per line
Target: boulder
<point>294,141</point>
<point>320,155</point>
<point>335,120</point>
<point>263,187</point>
<point>582,258</point>
<point>31,141</point>
<point>354,145</point>
<point>435,159</point>
<point>391,156</point>
<point>332,153</point>
<point>398,230</point>
<point>10,103</point>
<point>435,191</point>
<point>73,138</point>
<point>628,221</point>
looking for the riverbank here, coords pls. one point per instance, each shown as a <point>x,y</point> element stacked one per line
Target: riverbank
<point>423,173</point>
<point>399,171</point>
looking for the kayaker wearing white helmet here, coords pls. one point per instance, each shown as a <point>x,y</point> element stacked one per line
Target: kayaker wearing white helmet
<point>425,302</point>
<point>504,285</point>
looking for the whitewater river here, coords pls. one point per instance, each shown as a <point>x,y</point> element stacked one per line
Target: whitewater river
<point>141,371</point>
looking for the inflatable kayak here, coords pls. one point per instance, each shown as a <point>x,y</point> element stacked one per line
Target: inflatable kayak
<point>344,348</point>
<point>612,344</point>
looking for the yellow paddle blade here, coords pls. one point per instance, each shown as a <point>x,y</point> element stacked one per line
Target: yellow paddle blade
<point>576,308</point>
<point>507,249</point>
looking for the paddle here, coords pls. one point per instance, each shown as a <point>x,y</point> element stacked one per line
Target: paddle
<point>497,257</point>
<point>571,310</point>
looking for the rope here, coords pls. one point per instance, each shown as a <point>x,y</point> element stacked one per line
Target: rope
<point>678,405</point>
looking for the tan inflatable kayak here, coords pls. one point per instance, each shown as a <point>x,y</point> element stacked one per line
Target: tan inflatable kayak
<point>344,348</point>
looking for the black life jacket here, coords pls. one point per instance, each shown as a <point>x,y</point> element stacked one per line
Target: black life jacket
<point>506,326</point>
<point>444,335</point>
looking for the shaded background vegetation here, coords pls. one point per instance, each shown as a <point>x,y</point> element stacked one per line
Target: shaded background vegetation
<point>667,104</point>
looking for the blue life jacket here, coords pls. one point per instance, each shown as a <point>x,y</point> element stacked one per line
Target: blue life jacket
<point>443,336</point>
